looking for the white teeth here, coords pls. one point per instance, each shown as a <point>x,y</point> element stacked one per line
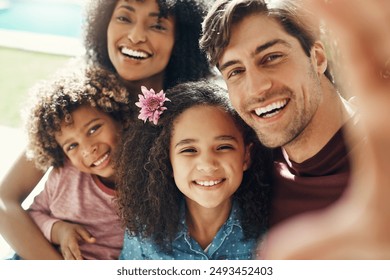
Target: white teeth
<point>208,183</point>
<point>133,53</point>
<point>101,160</point>
<point>267,109</point>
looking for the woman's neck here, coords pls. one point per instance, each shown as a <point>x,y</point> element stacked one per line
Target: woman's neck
<point>204,223</point>
<point>155,82</point>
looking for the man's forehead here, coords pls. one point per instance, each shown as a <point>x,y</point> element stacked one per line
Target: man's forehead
<point>249,34</point>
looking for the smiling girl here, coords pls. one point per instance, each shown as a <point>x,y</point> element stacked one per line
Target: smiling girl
<point>197,189</point>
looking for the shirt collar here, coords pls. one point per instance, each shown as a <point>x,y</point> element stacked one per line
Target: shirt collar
<point>233,220</point>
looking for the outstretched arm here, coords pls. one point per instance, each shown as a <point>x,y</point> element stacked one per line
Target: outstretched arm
<point>16,226</point>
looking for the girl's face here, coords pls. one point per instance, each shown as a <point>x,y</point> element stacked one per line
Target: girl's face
<point>208,156</point>
<point>139,42</point>
<point>90,141</point>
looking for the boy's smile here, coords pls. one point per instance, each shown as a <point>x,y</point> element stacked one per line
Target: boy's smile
<point>90,141</point>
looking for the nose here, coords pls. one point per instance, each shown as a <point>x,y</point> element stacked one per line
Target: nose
<point>207,163</point>
<point>89,149</point>
<point>137,34</point>
<point>258,82</point>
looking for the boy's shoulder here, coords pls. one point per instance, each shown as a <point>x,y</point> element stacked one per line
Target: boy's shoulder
<point>68,172</point>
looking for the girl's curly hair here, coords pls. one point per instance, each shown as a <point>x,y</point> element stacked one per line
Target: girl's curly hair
<point>187,62</point>
<point>52,102</point>
<point>147,197</point>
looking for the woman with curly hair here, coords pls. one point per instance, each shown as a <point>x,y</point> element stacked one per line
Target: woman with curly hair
<point>74,125</point>
<point>197,189</point>
<point>163,52</point>
<point>143,42</point>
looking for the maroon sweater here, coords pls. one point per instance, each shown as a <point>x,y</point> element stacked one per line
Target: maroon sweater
<point>312,184</point>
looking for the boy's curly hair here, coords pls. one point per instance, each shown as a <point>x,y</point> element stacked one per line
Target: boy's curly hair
<point>52,102</point>
<point>149,201</point>
<point>187,62</point>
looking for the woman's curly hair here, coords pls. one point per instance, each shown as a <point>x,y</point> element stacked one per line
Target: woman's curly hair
<point>187,62</point>
<point>52,101</point>
<point>149,201</point>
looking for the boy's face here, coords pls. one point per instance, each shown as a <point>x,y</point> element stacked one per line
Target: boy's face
<point>272,83</point>
<point>208,156</point>
<point>90,141</point>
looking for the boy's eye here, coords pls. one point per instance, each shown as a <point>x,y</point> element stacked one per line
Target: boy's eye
<point>94,129</point>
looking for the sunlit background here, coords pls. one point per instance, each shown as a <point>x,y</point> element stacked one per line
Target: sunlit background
<point>37,37</point>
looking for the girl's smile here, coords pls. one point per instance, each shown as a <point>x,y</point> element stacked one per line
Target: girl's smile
<point>208,156</point>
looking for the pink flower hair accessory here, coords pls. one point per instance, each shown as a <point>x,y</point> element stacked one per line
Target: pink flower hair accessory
<point>151,104</point>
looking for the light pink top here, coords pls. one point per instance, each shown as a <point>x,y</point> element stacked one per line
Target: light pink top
<point>80,198</point>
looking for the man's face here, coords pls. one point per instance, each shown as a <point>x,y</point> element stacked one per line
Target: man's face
<point>272,83</point>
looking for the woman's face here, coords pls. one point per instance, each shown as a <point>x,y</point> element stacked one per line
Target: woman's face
<point>139,42</point>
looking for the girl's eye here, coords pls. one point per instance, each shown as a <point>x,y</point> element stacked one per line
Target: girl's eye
<point>94,129</point>
<point>188,150</point>
<point>225,147</point>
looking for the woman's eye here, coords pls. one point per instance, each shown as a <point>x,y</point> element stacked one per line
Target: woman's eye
<point>159,27</point>
<point>123,19</point>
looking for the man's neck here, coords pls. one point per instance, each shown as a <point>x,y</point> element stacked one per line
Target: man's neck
<point>331,115</point>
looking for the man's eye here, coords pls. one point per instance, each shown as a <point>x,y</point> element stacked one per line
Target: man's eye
<point>235,73</point>
<point>271,58</point>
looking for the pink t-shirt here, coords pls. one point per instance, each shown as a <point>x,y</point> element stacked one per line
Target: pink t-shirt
<point>77,197</point>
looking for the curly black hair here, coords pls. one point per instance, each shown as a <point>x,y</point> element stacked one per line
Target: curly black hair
<point>187,62</point>
<point>52,101</point>
<point>147,197</point>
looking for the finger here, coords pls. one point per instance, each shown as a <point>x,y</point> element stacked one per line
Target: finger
<point>75,251</point>
<point>67,254</point>
<point>85,235</point>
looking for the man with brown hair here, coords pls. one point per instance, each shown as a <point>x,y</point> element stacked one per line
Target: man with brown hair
<point>276,69</point>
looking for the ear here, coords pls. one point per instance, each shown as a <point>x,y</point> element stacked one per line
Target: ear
<point>247,157</point>
<point>318,57</point>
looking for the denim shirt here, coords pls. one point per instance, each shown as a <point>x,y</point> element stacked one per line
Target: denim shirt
<point>228,244</point>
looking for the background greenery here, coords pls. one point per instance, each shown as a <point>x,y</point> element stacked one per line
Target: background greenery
<point>19,70</point>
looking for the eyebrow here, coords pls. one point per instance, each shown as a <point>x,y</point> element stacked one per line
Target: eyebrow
<point>84,126</point>
<point>258,50</point>
<point>220,138</point>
